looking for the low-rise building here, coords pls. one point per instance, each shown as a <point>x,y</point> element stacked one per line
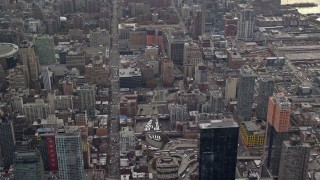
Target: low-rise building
<point>251,134</point>
<point>130,78</point>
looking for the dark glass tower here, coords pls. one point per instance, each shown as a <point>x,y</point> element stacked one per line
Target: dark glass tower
<point>245,92</point>
<point>266,88</point>
<point>218,149</point>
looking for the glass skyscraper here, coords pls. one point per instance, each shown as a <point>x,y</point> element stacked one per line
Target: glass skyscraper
<point>218,149</point>
<point>69,153</point>
<point>28,165</point>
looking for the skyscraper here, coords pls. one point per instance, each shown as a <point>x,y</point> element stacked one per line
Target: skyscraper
<point>47,79</point>
<point>201,73</point>
<point>218,149</point>
<point>69,153</point>
<point>245,25</point>
<point>86,99</point>
<point>266,88</point>
<point>231,89</point>
<point>28,165</point>
<point>216,104</point>
<point>7,142</point>
<point>2,78</point>
<point>29,59</point>
<point>245,94</point>
<point>278,123</point>
<point>178,113</point>
<point>44,47</point>
<point>294,159</point>
<point>174,46</point>
<point>167,72</point>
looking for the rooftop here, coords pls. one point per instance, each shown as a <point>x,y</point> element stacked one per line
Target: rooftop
<point>7,49</point>
<point>129,72</point>
<point>222,123</point>
<point>251,126</point>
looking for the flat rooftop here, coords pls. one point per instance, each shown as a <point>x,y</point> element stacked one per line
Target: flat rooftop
<point>129,72</point>
<point>222,123</point>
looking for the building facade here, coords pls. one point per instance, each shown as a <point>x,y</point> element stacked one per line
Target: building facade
<point>167,72</point>
<point>294,159</point>
<point>44,47</point>
<point>245,25</point>
<point>218,149</point>
<point>37,110</point>
<point>230,89</point>
<point>28,165</point>
<point>7,143</point>
<point>278,123</point>
<point>266,88</point>
<point>252,135</point>
<point>245,92</point>
<point>69,152</point>
<point>86,99</point>
<point>47,148</point>
<point>130,78</point>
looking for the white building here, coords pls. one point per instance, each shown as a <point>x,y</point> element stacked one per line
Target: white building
<point>69,153</point>
<point>36,110</point>
<point>127,140</point>
<point>245,25</point>
<point>231,89</point>
<point>178,113</point>
<point>47,76</point>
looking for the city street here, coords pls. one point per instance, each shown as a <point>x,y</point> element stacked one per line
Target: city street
<point>113,125</point>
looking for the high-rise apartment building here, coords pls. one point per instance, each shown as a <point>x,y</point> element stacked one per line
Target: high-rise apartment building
<point>192,56</point>
<point>97,73</point>
<point>47,148</point>
<point>174,46</point>
<point>266,88</point>
<point>218,149</point>
<point>278,123</point>
<point>230,89</point>
<point>76,58</point>
<point>294,159</point>
<point>28,165</point>
<point>7,143</point>
<point>86,99</point>
<point>198,24</point>
<point>69,153</point>
<point>201,73</point>
<point>99,37</point>
<point>167,72</point>
<point>37,110</point>
<point>44,47</point>
<point>216,104</point>
<point>178,113</point>
<point>19,77</point>
<point>127,140</point>
<point>245,25</point>
<point>245,92</point>
<point>64,102</point>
